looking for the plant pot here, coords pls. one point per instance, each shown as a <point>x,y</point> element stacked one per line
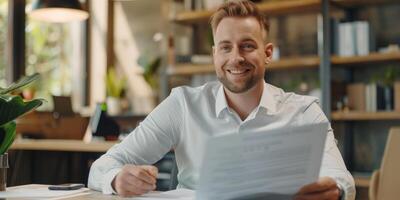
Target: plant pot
<point>113,106</point>
<point>3,171</point>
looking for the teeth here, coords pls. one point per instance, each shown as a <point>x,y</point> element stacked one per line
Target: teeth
<point>237,71</point>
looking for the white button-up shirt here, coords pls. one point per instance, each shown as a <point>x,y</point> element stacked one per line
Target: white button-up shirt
<point>185,119</point>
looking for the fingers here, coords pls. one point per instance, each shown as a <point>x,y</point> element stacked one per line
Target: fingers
<point>331,194</point>
<point>144,173</point>
<point>137,183</point>
<point>127,187</point>
<point>135,180</point>
<point>323,184</point>
<point>151,170</point>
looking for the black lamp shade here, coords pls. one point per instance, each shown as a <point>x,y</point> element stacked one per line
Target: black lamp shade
<point>58,11</point>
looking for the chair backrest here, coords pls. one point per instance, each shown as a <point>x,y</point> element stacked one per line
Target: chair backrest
<point>389,178</point>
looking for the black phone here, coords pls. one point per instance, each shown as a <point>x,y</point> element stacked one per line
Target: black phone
<point>68,186</point>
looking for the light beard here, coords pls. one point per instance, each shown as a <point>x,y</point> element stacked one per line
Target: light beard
<point>246,86</point>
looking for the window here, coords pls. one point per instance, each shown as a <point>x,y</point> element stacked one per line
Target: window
<point>51,49</point>
<point>3,40</point>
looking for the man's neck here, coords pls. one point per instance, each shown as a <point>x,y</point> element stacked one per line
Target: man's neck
<point>244,103</point>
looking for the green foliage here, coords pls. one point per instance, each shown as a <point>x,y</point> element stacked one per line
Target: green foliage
<point>390,75</point>
<point>12,107</point>
<point>385,76</point>
<point>7,131</point>
<point>114,85</point>
<point>150,72</point>
<point>19,84</point>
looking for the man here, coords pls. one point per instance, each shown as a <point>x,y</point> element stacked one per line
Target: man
<point>239,102</point>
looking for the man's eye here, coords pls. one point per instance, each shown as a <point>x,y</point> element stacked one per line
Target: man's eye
<point>248,46</point>
<point>225,48</point>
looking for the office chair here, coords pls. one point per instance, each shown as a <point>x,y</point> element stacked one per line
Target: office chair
<point>384,184</point>
<point>174,177</point>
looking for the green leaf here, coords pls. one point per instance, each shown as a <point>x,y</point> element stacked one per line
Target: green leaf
<point>8,130</point>
<point>114,84</point>
<point>20,83</point>
<point>12,107</point>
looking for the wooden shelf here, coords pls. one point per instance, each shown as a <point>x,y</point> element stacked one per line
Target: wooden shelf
<point>361,181</point>
<point>190,69</point>
<point>358,3</point>
<point>368,59</point>
<point>295,63</point>
<point>274,8</point>
<point>363,116</point>
<point>61,145</point>
<point>283,64</point>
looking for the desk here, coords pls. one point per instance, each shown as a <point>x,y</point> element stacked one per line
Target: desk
<point>91,194</point>
<point>53,161</point>
<point>62,145</point>
<point>87,195</point>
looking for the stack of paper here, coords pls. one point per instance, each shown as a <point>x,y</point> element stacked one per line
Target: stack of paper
<point>270,164</point>
<point>40,192</point>
<point>178,194</point>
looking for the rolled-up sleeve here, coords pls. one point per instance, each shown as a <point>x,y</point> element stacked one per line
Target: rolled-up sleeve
<point>151,140</point>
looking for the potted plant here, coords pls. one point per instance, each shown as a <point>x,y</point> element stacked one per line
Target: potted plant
<point>12,107</point>
<point>115,87</point>
<point>389,78</point>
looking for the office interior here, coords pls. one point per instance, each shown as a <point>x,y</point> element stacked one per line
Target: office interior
<point>118,59</point>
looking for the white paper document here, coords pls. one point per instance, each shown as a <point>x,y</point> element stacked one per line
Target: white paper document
<point>40,192</point>
<point>261,165</point>
<point>178,194</point>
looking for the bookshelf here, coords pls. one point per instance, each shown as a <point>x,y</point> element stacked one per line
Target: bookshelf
<point>294,63</point>
<point>276,8</point>
<point>324,62</point>
<point>273,8</point>
<point>365,116</point>
<point>372,58</point>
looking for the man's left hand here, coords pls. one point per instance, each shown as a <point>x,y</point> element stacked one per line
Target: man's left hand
<point>324,188</point>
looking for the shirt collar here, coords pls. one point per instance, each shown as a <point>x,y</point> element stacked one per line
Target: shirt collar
<point>268,98</point>
<point>220,102</point>
<point>267,101</point>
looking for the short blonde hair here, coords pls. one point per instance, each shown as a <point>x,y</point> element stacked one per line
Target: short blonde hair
<point>241,8</point>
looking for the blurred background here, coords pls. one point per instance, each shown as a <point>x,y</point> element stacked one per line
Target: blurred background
<point>106,66</point>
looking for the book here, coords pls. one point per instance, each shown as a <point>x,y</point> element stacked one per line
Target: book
<point>334,36</point>
<point>397,96</point>
<point>388,98</point>
<point>356,96</point>
<point>353,38</point>
<point>346,39</point>
<point>361,37</point>
<point>375,97</point>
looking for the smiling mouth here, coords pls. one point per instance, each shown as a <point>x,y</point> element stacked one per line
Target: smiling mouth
<point>238,71</point>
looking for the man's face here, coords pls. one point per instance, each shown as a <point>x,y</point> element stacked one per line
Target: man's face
<point>240,53</point>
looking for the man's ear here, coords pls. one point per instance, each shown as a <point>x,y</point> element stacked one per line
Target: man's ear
<point>268,50</point>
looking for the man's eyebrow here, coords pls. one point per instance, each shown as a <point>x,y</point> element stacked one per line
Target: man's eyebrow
<point>224,42</point>
<point>248,40</point>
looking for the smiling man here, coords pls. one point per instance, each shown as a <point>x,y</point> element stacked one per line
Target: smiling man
<point>239,102</point>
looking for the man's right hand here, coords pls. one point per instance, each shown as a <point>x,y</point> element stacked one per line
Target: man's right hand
<point>135,180</point>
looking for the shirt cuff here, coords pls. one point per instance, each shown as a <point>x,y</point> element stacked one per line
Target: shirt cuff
<point>348,189</point>
<point>342,194</point>
<point>107,180</point>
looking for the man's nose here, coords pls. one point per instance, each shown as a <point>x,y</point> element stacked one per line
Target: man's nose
<point>236,56</point>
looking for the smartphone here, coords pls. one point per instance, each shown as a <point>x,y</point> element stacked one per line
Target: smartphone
<point>68,186</point>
